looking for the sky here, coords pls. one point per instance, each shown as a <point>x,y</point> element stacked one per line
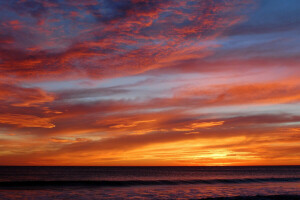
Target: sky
<point>149,83</point>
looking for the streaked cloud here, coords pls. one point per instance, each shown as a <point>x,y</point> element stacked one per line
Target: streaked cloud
<point>25,120</point>
<point>142,82</point>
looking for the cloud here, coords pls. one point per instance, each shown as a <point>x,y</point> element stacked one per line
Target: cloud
<point>134,124</point>
<point>127,37</point>
<point>25,120</point>
<point>142,82</point>
<point>274,92</point>
<point>89,92</point>
<point>23,97</point>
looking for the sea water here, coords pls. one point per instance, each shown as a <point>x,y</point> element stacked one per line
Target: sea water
<point>147,182</point>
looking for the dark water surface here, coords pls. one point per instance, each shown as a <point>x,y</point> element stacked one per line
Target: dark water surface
<point>148,182</point>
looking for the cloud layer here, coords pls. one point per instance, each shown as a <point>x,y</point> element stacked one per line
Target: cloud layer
<point>144,82</point>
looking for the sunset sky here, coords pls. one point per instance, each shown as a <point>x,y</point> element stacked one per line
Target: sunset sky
<point>148,82</point>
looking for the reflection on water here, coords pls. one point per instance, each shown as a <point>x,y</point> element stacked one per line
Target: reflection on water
<point>156,192</point>
<point>236,181</point>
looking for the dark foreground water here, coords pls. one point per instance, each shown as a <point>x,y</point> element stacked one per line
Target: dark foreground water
<point>150,182</point>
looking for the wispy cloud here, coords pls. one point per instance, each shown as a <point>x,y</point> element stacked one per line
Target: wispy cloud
<point>144,82</point>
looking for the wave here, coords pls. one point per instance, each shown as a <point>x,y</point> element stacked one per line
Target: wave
<point>258,197</point>
<point>115,183</point>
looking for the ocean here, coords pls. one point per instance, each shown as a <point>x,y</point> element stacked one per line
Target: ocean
<point>251,182</point>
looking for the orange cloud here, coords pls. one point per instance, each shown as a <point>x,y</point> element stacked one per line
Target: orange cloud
<point>26,120</point>
<point>206,124</point>
<point>180,64</point>
<point>136,123</point>
<point>23,97</point>
<point>277,92</point>
<point>114,46</point>
<point>162,149</point>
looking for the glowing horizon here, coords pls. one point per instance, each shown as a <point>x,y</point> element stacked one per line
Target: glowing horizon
<point>149,83</point>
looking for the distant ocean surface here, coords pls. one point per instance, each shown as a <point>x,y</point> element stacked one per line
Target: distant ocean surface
<point>272,182</point>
